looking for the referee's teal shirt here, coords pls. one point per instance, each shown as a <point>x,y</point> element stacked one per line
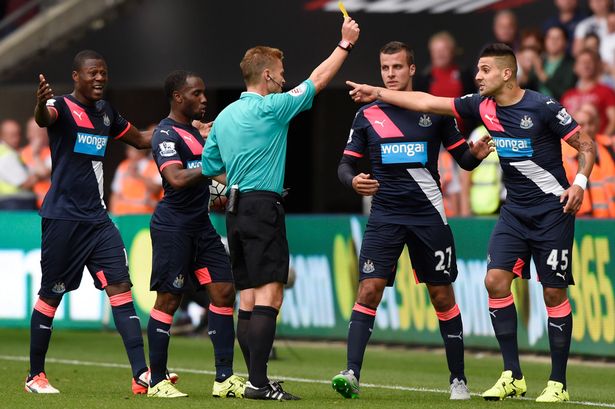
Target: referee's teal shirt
<point>248,138</point>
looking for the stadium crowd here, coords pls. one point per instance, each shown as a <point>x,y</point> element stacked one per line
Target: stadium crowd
<point>571,58</point>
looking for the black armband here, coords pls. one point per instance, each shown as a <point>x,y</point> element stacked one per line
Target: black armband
<point>347,170</point>
<point>466,160</point>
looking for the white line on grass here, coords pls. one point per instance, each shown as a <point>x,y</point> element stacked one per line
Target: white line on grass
<point>284,378</point>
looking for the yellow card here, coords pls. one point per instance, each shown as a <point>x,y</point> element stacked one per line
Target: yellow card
<point>342,8</point>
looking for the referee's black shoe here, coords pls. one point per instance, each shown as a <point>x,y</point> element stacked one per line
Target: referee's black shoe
<point>272,391</point>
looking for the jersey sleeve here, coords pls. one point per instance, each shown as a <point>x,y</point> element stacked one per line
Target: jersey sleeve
<point>451,136</point>
<point>55,105</point>
<point>211,159</point>
<point>164,148</point>
<point>467,106</point>
<point>357,140</point>
<point>285,106</point>
<point>559,120</point>
<point>119,125</point>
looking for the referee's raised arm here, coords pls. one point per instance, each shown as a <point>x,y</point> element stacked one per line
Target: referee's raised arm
<point>325,72</point>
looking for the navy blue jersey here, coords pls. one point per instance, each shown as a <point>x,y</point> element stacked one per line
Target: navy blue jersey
<point>527,139</point>
<point>403,149</point>
<point>184,209</point>
<point>78,142</point>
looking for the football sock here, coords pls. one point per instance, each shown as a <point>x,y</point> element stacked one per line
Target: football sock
<point>158,337</point>
<point>560,333</point>
<point>222,335</point>
<point>243,323</point>
<point>504,320</point>
<point>129,326</point>
<point>359,330</point>
<point>261,334</point>
<point>451,329</point>
<point>41,325</point>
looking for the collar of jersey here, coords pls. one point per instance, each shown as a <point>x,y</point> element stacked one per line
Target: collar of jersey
<point>250,94</point>
<point>90,108</point>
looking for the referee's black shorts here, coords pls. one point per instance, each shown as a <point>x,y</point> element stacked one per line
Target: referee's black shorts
<point>257,240</point>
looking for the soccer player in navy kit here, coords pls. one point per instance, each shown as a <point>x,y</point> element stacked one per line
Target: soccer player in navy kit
<point>537,220</point>
<point>76,229</point>
<point>187,251</point>
<point>407,208</point>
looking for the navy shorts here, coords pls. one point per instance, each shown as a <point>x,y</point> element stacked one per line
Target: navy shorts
<point>543,233</point>
<point>69,246</point>
<point>184,261</point>
<point>431,248</point>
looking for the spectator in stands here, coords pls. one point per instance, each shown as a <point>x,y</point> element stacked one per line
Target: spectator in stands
<point>599,197</point>
<point>446,79</point>
<point>553,74</point>
<point>449,183</point>
<point>591,41</point>
<point>37,158</point>
<point>505,28</point>
<point>526,58</point>
<point>531,38</point>
<point>15,183</point>
<point>596,23</point>
<point>607,46</point>
<point>569,14</point>
<point>590,90</point>
<point>137,185</point>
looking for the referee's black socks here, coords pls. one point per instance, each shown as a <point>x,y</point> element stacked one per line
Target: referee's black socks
<point>261,332</point>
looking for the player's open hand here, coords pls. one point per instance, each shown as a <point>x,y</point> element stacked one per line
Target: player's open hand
<point>362,93</point>
<point>44,91</point>
<point>363,185</point>
<point>482,148</point>
<point>573,196</point>
<point>203,127</point>
<point>350,30</point>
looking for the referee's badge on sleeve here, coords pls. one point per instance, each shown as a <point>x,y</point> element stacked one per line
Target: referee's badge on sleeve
<point>298,90</point>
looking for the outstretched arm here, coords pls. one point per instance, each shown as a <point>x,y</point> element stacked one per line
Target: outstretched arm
<point>325,72</point>
<point>587,156</point>
<point>410,100</point>
<point>42,115</point>
<point>138,139</point>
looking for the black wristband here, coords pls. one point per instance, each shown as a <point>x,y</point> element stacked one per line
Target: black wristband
<point>345,45</point>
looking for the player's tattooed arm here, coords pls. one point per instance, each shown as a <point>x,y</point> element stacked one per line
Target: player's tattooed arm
<point>573,196</point>
<point>587,151</point>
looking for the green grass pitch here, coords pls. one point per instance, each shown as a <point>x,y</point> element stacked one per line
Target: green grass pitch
<point>90,369</point>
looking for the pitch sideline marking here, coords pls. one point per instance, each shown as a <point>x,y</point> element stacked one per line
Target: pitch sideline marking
<point>284,378</point>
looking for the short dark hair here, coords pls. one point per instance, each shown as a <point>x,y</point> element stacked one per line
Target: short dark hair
<point>504,52</point>
<point>175,81</point>
<point>83,56</point>
<point>394,47</point>
<point>560,28</point>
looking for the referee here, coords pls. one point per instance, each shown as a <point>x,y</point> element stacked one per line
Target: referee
<point>248,142</point>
